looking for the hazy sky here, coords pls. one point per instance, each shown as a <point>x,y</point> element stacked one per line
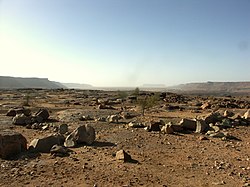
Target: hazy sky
<point>126,42</point>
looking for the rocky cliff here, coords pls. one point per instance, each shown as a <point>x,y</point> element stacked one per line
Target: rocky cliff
<point>18,82</point>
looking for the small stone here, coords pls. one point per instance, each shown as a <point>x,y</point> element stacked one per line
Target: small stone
<point>203,138</point>
<point>122,155</point>
<point>247,114</point>
<point>63,128</point>
<point>206,106</point>
<point>135,124</point>
<point>45,127</point>
<point>36,126</point>
<point>167,129</point>
<point>219,183</point>
<point>59,150</point>
<point>228,113</point>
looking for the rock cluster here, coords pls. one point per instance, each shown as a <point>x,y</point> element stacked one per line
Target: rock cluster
<point>12,143</point>
<point>211,125</point>
<point>24,117</point>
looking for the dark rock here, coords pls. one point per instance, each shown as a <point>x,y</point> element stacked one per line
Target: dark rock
<point>25,111</point>
<point>177,128</point>
<point>154,126</point>
<point>21,119</point>
<point>167,129</point>
<point>201,126</point>
<point>43,113</point>
<point>86,118</point>
<point>128,115</point>
<point>188,124</point>
<point>11,112</point>
<point>63,128</point>
<point>213,118</point>
<point>11,144</point>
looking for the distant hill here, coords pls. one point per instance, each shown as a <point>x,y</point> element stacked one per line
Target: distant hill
<point>78,86</point>
<point>18,82</point>
<point>215,87</point>
<point>154,85</point>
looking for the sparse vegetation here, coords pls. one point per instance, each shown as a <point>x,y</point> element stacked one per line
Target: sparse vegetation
<point>26,101</point>
<point>147,102</point>
<point>122,94</point>
<point>136,91</point>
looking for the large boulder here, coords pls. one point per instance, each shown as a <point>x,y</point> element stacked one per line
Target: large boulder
<point>11,144</point>
<point>42,114</point>
<point>45,144</point>
<point>82,134</point>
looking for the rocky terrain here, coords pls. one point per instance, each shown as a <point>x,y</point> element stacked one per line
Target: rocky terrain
<point>98,138</point>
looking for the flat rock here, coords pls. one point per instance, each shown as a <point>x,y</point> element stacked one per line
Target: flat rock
<point>45,144</point>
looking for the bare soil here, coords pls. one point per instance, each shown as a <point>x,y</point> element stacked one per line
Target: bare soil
<point>180,159</point>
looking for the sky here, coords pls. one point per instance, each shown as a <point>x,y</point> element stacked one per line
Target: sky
<point>126,42</point>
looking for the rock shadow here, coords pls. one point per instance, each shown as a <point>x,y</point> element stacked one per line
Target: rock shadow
<point>103,144</point>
